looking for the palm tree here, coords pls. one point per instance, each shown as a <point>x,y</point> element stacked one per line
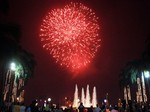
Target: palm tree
<point>9,36</point>
<point>125,80</point>
<point>27,61</point>
<point>146,60</point>
<point>10,49</point>
<point>130,73</point>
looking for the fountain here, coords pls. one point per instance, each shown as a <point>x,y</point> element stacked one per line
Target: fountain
<point>85,99</point>
<point>94,97</point>
<point>75,102</point>
<point>83,96</point>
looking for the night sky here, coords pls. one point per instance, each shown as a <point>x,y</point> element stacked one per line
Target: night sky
<point>124,27</point>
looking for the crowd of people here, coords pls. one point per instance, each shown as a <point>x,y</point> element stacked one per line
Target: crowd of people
<point>104,107</point>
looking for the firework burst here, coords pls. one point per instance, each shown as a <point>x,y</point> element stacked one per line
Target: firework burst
<point>71,35</point>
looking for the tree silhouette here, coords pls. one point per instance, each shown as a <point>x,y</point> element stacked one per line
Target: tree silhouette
<point>135,68</point>
<point>10,48</point>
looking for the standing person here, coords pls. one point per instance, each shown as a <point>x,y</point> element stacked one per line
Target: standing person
<point>97,109</point>
<point>90,109</point>
<point>103,107</point>
<point>81,107</point>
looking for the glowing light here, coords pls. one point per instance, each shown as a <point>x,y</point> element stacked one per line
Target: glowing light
<point>146,74</point>
<point>49,99</point>
<point>71,35</point>
<point>13,66</point>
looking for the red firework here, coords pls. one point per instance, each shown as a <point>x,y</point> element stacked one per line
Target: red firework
<point>71,35</point>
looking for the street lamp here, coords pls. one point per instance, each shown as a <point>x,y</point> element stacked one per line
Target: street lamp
<point>13,66</point>
<point>49,99</point>
<point>146,74</point>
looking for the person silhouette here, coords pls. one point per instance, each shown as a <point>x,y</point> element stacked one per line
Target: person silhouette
<point>81,107</point>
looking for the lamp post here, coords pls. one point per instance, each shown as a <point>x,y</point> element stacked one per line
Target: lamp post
<point>146,74</point>
<point>13,66</point>
<point>49,99</point>
<point>49,102</point>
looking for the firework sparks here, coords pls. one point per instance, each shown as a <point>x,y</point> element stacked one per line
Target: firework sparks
<point>71,35</point>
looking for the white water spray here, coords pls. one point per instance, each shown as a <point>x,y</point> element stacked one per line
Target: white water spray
<point>94,97</point>
<point>75,102</point>
<point>85,99</point>
<point>88,98</point>
<point>83,96</point>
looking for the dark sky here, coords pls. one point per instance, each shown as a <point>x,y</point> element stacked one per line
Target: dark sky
<point>125,24</point>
